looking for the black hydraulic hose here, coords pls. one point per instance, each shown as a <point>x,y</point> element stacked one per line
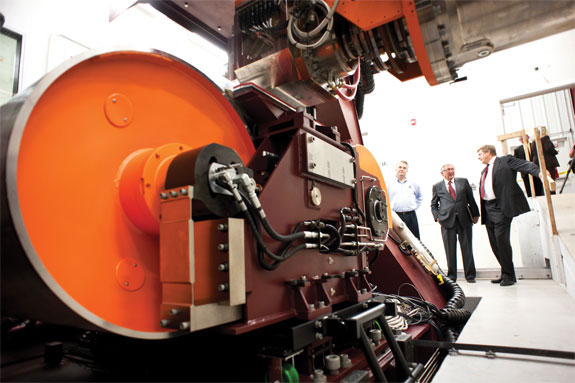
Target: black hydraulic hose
<point>370,356</point>
<point>283,238</point>
<point>367,79</point>
<point>261,259</point>
<point>335,238</point>
<point>260,240</point>
<point>280,237</point>
<point>359,100</point>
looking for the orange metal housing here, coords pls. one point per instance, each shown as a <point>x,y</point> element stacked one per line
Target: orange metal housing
<point>368,14</point>
<point>87,185</point>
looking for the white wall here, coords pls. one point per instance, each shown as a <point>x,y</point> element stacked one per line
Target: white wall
<point>56,30</point>
<point>454,120</point>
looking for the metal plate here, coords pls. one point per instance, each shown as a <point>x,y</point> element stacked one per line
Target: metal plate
<point>327,161</point>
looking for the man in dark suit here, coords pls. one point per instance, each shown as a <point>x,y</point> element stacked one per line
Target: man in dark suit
<point>501,200</point>
<point>519,152</point>
<point>454,207</point>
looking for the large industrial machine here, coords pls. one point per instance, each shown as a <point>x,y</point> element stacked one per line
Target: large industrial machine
<point>161,228</point>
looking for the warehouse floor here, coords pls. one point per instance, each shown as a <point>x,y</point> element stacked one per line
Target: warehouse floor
<point>533,314</point>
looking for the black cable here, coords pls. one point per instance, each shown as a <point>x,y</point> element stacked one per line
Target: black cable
<point>280,237</point>
<point>335,238</point>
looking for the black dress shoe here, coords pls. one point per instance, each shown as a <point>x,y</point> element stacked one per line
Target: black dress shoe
<point>498,280</point>
<point>471,280</point>
<point>507,282</point>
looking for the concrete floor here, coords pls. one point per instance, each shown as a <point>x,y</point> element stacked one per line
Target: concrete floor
<point>532,313</point>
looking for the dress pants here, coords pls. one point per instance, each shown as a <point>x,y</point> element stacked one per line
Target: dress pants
<point>410,220</point>
<point>465,233</point>
<point>499,229</point>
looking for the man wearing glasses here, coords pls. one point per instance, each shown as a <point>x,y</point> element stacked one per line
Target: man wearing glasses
<point>454,207</point>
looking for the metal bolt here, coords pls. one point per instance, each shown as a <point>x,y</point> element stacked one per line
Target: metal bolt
<point>173,193</point>
<point>135,265</point>
<point>303,278</point>
<point>224,287</point>
<point>184,325</point>
<point>114,100</point>
<point>125,119</point>
<point>365,305</point>
<point>311,307</point>
<point>164,323</point>
<point>183,192</point>
<point>174,311</point>
<point>318,324</point>
<point>375,335</point>
<point>321,304</point>
<point>483,53</point>
<point>330,260</point>
<point>223,247</point>
<point>363,291</point>
<point>223,227</point>
<point>312,165</point>
<point>127,283</point>
<point>163,196</point>
<point>318,336</point>
<point>311,139</point>
<point>223,267</point>
<point>332,291</point>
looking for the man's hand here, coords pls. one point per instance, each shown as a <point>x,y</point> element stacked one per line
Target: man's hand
<point>475,219</point>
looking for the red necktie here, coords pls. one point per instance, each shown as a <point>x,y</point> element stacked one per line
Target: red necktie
<point>451,190</point>
<point>482,190</point>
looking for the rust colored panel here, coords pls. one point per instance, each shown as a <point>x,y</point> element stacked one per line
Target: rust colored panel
<point>177,293</point>
<point>417,40</point>
<point>368,14</point>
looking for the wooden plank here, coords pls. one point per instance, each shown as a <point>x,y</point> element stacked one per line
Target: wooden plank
<point>543,168</point>
<point>528,154</point>
<point>509,136</point>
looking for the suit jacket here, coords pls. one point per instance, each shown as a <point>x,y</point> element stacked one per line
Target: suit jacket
<point>519,152</point>
<point>549,153</point>
<point>444,208</point>
<point>509,195</point>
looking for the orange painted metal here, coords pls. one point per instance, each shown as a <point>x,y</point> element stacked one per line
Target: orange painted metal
<point>368,163</point>
<point>412,21</point>
<point>72,162</point>
<point>141,177</point>
<point>368,14</point>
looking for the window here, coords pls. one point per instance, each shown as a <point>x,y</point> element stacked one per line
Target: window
<point>10,51</point>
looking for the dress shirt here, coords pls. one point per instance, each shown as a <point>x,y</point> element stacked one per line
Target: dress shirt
<point>488,187</point>
<point>404,196</point>
<point>446,182</point>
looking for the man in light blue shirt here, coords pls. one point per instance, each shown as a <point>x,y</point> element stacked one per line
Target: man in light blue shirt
<point>405,197</point>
